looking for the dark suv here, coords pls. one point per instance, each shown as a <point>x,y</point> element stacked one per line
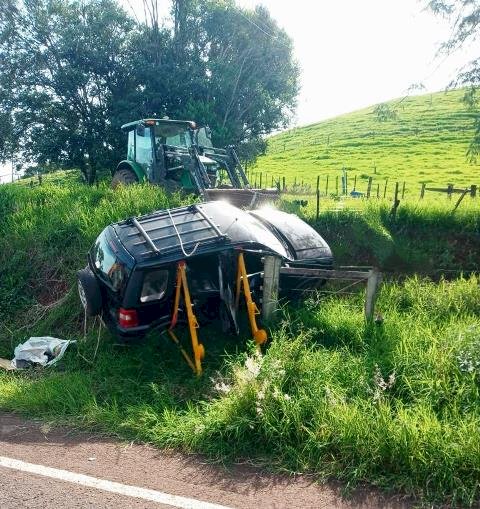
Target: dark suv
<point>131,273</point>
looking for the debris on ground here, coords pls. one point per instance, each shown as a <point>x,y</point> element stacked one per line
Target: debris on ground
<point>38,351</point>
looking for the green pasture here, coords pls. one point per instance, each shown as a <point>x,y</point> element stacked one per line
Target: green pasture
<point>426,143</point>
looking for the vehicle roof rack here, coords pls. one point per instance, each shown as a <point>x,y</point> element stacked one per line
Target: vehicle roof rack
<point>188,225</point>
<point>145,235</point>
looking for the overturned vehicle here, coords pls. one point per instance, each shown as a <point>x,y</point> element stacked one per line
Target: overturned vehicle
<point>138,268</point>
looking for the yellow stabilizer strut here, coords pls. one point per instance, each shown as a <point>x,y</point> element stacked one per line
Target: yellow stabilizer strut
<point>198,349</point>
<point>259,335</point>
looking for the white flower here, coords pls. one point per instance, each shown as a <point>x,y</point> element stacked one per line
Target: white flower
<point>253,366</point>
<point>199,428</point>
<point>381,385</point>
<point>222,387</point>
<point>287,397</point>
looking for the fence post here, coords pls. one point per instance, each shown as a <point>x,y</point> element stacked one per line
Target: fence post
<point>378,190</point>
<point>403,190</point>
<point>385,189</point>
<point>355,183</point>
<point>326,187</point>
<point>369,187</point>
<point>272,181</point>
<point>396,202</point>
<point>462,196</point>
<point>271,276</point>
<point>318,196</point>
<point>261,175</point>
<point>283,183</point>
<point>449,190</point>
<point>473,191</point>
<point>336,186</point>
<point>373,282</point>
<point>422,191</point>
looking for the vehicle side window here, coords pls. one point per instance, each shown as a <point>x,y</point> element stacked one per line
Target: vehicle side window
<point>154,285</point>
<point>144,147</point>
<point>203,137</point>
<point>131,146</point>
<point>106,261</point>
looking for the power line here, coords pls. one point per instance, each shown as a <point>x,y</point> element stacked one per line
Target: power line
<point>268,34</point>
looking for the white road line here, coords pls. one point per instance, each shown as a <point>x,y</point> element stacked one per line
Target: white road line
<point>112,487</point>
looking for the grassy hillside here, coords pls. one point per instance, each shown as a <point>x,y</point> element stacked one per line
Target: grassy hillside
<point>426,143</point>
<point>395,404</point>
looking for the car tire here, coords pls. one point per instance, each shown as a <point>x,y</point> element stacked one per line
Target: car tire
<point>125,177</point>
<point>89,292</point>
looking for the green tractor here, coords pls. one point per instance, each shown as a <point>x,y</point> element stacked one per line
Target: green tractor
<point>176,154</point>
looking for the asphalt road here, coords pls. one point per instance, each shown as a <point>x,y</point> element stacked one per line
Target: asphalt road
<point>44,467</point>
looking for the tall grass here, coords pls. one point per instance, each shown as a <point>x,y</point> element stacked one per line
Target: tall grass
<point>46,231</point>
<point>425,237</point>
<point>395,403</point>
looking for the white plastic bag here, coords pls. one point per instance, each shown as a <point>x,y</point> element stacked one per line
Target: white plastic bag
<point>43,351</point>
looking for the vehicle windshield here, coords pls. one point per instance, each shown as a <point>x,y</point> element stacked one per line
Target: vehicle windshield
<point>175,135</point>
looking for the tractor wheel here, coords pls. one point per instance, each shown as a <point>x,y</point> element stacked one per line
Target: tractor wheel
<point>124,177</point>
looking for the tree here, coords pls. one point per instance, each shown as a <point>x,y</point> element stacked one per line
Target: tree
<point>220,65</point>
<point>65,80</point>
<point>464,16</point>
<point>384,112</point>
<point>251,80</point>
<point>73,71</point>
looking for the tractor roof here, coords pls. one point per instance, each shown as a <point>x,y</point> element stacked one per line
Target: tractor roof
<point>158,121</point>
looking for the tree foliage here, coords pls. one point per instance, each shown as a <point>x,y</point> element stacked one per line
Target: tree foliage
<point>464,16</point>
<point>66,74</point>
<point>73,71</point>
<point>384,112</point>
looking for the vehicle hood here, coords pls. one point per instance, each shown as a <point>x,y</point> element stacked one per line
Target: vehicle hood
<point>302,238</point>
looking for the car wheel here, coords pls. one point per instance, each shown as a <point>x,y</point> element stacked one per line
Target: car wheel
<point>89,292</point>
<point>124,176</point>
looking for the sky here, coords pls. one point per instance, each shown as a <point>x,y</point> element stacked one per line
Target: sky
<point>354,53</point>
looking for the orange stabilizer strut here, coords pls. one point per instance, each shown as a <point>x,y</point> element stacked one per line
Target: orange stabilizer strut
<point>197,347</point>
<point>259,335</point>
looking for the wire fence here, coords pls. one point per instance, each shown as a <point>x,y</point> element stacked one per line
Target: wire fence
<point>352,185</point>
